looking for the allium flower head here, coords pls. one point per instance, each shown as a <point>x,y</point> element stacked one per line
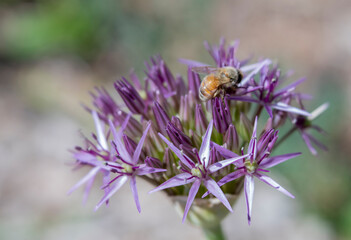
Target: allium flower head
<point>160,131</point>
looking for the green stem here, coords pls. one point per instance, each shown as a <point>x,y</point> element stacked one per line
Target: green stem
<point>288,134</point>
<point>214,232</point>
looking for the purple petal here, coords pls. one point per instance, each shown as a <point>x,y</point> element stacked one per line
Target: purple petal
<point>140,145</point>
<point>87,189</point>
<point>170,94</point>
<point>212,52</point>
<point>104,103</point>
<point>231,138</point>
<point>125,123</point>
<point>205,146</point>
<point>129,144</point>
<point>117,137</point>
<point>230,177</point>
<point>318,129</point>
<point>106,181</point>
<point>161,116</point>
<point>100,131</point>
<point>221,115</point>
<point>135,79</point>
<point>318,143</point>
<point>250,67</point>
<point>130,96</point>
<point>289,87</point>
<point>269,110</point>
<point>147,170</point>
<point>244,99</point>
<point>192,193</point>
<point>192,63</point>
<point>252,89</point>
<point>215,190</point>
<point>153,162</point>
<point>224,152</point>
<point>219,165</point>
<point>87,158</point>
<point>118,134</point>
<point>135,193</point>
<point>118,184</point>
<point>266,137</point>
<point>273,161</point>
<point>249,188</point>
<point>272,183</point>
<point>304,96</point>
<point>305,137</point>
<point>91,174</point>
<point>193,82</point>
<point>180,179</point>
<point>255,71</point>
<point>287,108</point>
<point>253,150</point>
<point>200,120</point>
<point>177,123</point>
<point>177,136</point>
<point>176,151</point>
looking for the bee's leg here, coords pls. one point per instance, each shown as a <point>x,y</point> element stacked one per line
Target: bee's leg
<point>219,93</point>
<point>230,88</point>
<point>223,95</point>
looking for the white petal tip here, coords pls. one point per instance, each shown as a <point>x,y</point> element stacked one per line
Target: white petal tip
<point>318,111</point>
<point>249,220</point>
<point>314,153</point>
<point>152,191</point>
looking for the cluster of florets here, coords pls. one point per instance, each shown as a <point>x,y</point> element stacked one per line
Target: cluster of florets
<point>164,134</point>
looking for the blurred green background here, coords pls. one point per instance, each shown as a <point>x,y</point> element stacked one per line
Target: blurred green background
<point>52,53</point>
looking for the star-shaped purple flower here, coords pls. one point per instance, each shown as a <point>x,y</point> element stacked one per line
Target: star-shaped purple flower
<point>255,165</point>
<point>126,166</point>
<point>93,155</point>
<point>303,123</point>
<point>267,95</point>
<point>198,173</point>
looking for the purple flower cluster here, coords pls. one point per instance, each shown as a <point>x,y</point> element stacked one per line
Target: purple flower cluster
<point>184,146</point>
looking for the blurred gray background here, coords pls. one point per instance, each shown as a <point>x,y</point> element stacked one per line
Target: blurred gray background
<point>52,53</point>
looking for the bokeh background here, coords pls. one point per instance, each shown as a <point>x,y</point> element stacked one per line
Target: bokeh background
<point>52,53</point>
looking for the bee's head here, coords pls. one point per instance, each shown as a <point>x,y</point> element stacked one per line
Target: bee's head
<point>240,76</point>
<point>233,74</point>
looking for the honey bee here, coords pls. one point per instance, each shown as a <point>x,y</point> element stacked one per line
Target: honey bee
<point>218,81</point>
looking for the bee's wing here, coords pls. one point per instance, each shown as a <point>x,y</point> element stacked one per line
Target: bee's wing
<point>205,69</point>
